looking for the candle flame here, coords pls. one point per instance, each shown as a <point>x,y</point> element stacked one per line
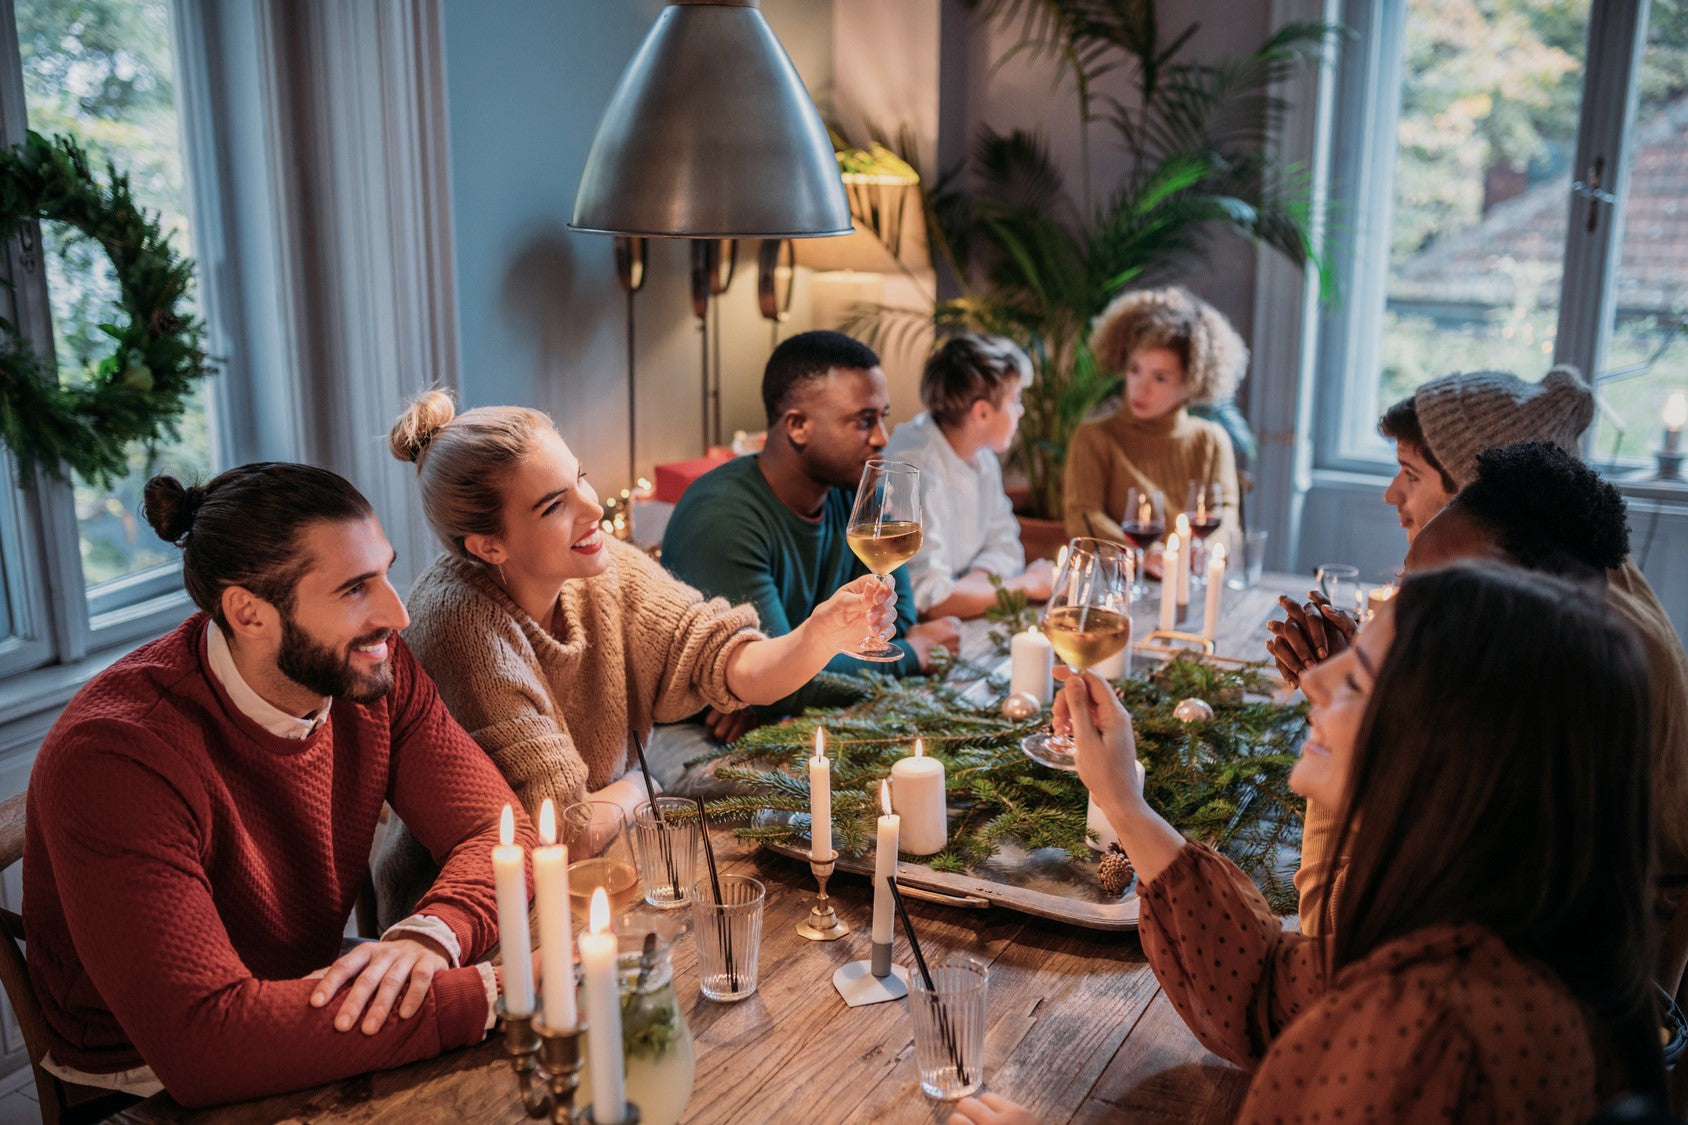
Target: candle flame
<point>1676,411</point>
<point>1383,593</point>
<point>548,822</point>
<point>1172,542</point>
<point>885,797</point>
<point>1061,559</point>
<point>820,744</point>
<point>507,827</point>
<point>1219,552</point>
<point>600,911</point>
<point>1183,525</point>
<point>919,748</point>
<point>1145,511</point>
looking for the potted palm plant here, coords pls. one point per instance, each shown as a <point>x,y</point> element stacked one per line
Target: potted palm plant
<point>1035,263</point>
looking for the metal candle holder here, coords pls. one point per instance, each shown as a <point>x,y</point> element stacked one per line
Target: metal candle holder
<point>536,1047</point>
<point>1170,641</point>
<point>823,923</point>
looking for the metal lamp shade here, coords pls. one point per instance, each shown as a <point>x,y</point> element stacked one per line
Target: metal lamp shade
<point>711,134</point>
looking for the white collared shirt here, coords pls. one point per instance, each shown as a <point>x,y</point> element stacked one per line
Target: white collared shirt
<point>968,522</point>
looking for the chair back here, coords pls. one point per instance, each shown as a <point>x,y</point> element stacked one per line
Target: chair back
<point>60,1101</point>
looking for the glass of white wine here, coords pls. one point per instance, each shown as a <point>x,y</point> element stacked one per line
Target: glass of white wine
<point>600,855</point>
<point>1087,619</point>
<point>885,533</point>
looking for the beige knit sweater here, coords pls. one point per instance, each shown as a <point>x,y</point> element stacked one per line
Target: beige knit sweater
<point>553,709</point>
<point>1109,457</point>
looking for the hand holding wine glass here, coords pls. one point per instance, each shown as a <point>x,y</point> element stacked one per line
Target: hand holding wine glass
<point>1087,620</point>
<point>885,532</point>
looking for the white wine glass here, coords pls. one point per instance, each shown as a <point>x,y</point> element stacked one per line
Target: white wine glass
<point>600,855</point>
<point>885,533</point>
<point>1087,620</point>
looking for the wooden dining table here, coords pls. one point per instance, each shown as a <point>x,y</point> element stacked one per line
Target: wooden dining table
<point>1078,1029</point>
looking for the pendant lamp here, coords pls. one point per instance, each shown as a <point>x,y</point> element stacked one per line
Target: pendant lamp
<point>711,134</point>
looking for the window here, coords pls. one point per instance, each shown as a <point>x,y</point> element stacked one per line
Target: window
<point>1464,194</point>
<point>82,569</point>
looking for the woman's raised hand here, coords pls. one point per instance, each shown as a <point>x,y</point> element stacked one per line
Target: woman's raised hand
<point>1088,711</point>
<point>866,605</point>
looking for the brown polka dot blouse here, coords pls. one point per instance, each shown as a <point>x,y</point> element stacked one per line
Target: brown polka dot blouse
<point>1445,1024</point>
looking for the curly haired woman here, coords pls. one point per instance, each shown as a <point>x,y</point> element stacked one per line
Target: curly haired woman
<point>1173,349</point>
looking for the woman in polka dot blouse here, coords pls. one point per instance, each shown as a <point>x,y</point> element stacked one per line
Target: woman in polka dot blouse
<point>1489,950</point>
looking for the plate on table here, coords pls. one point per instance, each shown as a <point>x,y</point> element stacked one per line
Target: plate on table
<point>1047,882</point>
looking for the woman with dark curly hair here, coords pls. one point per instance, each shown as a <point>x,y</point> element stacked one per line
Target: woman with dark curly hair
<point>1173,349</point>
<point>1488,955</point>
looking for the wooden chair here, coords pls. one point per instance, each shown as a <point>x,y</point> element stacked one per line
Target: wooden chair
<point>61,1101</point>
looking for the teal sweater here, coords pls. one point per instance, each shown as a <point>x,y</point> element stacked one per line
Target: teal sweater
<point>731,537</point>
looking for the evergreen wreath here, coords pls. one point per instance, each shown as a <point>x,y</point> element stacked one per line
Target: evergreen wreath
<point>1223,781</point>
<point>137,393</point>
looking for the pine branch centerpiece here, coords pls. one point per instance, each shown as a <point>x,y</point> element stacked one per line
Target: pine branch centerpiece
<point>1223,781</point>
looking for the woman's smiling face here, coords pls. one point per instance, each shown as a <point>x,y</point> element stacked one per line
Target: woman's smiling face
<point>1340,690</point>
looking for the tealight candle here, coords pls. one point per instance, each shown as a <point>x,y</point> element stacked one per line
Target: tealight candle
<point>917,795</point>
<point>510,886</point>
<point>1215,583</point>
<point>556,928</point>
<point>820,802</point>
<point>1169,582</point>
<point>1376,599</point>
<point>603,1015</point>
<point>884,866</point>
<point>1033,666</point>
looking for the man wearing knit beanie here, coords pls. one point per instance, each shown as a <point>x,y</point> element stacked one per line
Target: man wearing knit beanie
<point>1462,415</point>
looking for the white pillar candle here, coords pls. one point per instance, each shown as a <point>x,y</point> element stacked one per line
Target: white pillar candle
<point>1675,417</point>
<point>556,928</point>
<point>510,884</point>
<point>884,866</point>
<point>1113,667</point>
<point>820,802</point>
<point>917,795</point>
<point>1033,665</point>
<point>1215,583</point>
<point>606,1067</point>
<point>1169,583</point>
<point>1184,558</point>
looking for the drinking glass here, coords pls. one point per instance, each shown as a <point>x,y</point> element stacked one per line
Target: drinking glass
<point>1340,584</point>
<point>599,855</point>
<point>949,1027</point>
<point>1204,507</point>
<point>666,847</point>
<point>1253,561</point>
<point>885,533</point>
<point>728,931</point>
<point>1087,619</point>
<point>1144,524</point>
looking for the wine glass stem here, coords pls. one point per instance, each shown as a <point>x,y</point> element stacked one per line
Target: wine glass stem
<point>874,640</point>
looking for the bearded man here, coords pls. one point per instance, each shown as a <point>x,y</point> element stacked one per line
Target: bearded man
<point>199,819</point>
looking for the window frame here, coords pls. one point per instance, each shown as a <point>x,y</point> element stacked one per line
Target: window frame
<point>1362,165</point>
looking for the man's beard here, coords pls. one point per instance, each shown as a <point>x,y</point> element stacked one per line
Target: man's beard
<point>330,673</point>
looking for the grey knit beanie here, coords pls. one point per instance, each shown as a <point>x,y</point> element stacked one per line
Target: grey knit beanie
<point>1462,415</point>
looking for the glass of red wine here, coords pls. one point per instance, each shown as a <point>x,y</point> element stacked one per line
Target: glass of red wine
<point>1144,524</point>
<point>1204,507</point>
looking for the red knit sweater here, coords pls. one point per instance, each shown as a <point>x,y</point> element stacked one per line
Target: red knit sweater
<point>183,870</point>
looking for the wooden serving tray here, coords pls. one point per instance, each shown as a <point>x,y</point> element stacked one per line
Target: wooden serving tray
<point>1046,883</point>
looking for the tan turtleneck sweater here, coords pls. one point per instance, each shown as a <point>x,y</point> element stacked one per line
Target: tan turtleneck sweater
<point>553,708</point>
<point>1107,458</point>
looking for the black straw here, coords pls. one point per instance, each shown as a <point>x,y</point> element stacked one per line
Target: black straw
<point>656,811</point>
<point>722,930</point>
<point>926,975</point>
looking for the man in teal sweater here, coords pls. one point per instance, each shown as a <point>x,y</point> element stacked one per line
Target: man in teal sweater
<point>769,529</point>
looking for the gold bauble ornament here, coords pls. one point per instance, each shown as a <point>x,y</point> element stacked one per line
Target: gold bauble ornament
<point>1020,706</point>
<point>1193,711</point>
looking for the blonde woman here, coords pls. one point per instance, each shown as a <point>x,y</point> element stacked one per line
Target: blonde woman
<point>551,642</point>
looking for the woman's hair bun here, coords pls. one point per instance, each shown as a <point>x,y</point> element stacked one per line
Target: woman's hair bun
<point>170,507</point>
<point>418,425</point>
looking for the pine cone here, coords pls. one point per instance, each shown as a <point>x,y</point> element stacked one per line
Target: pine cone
<point>1114,871</point>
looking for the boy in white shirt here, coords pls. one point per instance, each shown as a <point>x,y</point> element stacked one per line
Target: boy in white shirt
<point>971,389</point>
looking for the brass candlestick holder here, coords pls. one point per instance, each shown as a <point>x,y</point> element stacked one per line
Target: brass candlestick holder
<point>823,923</point>
<point>1169,642</point>
<point>547,1063</point>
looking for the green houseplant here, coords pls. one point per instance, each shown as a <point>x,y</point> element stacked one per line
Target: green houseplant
<point>1034,263</point>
